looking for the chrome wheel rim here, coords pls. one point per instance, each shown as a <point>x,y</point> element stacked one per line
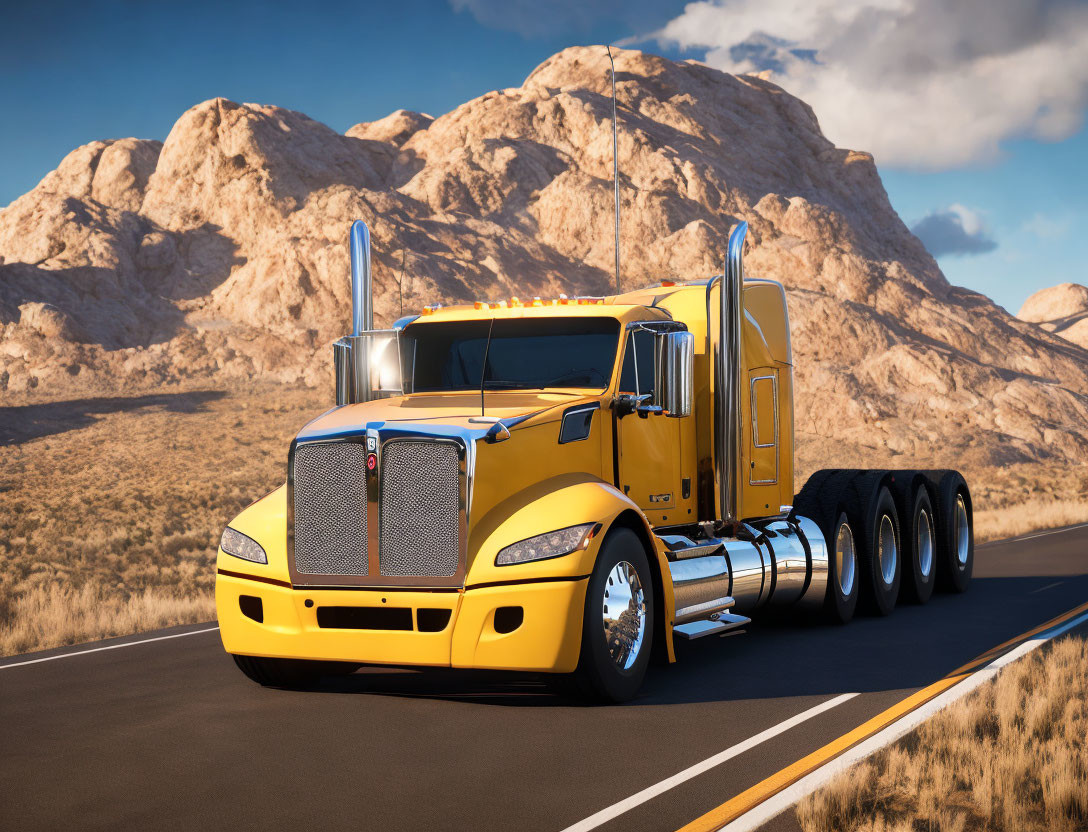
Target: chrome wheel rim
<point>923,533</point>
<point>963,532</point>
<point>845,558</point>
<point>887,550</point>
<point>624,614</point>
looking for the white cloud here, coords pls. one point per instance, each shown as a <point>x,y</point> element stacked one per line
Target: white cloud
<point>928,84</point>
<point>1048,228</point>
<point>955,230</point>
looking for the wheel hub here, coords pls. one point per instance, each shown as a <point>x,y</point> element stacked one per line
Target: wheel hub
<point>963,532</point>
<point>887,550</point>
<point>624,614</point>
<point>845,558</point>
<point>923,533</point>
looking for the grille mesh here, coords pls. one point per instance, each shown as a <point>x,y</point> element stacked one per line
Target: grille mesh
<point>420,518</point>
<point>330,509</point>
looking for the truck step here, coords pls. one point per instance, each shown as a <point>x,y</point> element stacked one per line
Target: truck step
<point>705,609</point>
<point>725,622</point>
<point>681,547</point>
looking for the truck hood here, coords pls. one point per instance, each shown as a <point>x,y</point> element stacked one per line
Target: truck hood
<point>453,409</point>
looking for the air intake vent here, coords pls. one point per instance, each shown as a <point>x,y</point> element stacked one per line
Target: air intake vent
<point>330,509</point>
<point>420,509</point>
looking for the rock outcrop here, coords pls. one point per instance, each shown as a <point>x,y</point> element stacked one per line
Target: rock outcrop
<point>222,253</point>
<point>1061,309</point>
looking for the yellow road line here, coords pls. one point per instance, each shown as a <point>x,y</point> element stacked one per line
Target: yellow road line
<point>750,798</point>
<point>991,654</point>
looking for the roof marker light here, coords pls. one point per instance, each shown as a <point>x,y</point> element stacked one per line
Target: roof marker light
<point>479,305</point>
<point>668,282</point>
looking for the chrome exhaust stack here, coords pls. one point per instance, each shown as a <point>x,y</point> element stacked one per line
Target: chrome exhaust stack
<point>351,354</point>
<point>362,292</point>
<point>729,369</point>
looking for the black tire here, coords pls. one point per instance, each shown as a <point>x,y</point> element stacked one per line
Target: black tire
<point>872,512</point>
<point>955,533</point>
<point>599,676</point>
<point>918,530</point>
<point>842,572</point>
<point>824,500</point>
<point>289,673</point>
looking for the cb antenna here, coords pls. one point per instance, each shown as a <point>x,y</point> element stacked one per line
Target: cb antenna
<point>400,279</point>
<point>615,167</point>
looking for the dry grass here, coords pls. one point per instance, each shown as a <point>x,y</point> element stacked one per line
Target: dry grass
<point>1012,755</point>
<point>995,524</point>
<point>51,615</point>
<point>111,509</point>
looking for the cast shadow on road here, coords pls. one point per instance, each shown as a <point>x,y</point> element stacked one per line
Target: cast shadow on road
<point>784,656</point>
<point>33,421</point>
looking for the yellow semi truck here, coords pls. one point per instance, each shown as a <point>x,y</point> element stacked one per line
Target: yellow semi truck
<point>566,486</point>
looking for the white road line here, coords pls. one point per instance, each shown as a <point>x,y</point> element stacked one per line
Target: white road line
<point>1044,534</point>
<point>1045,588</point>
<point>783,800</point>
<point>605,815</point>
<point>108,647</point>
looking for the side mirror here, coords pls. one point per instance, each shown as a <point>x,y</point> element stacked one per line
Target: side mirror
<point>673,387</point>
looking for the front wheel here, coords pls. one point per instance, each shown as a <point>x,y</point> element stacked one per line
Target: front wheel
<point>618,624</point>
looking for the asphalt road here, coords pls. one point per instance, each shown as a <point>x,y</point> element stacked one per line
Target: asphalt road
<point>169,735</point>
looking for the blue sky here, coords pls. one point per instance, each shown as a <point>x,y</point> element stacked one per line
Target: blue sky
<point>74,72</point>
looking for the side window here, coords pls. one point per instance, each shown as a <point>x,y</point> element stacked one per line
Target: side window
<point>637,375</point>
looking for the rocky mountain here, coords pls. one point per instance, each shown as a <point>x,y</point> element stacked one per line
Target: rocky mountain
<point>1061,309</point>
<point>221,254</point>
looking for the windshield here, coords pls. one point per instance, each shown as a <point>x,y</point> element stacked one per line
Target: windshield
<point>510,354</point>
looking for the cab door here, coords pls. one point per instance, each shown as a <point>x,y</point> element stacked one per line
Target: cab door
<point>648,445</point>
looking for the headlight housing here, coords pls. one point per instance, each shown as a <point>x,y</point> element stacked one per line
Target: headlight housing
<point>550,545</point>
<point>237,544</point>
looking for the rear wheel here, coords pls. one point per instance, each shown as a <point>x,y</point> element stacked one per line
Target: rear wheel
<point>824,500</point>
<point>918,533</point>
<point>618,624</point>
<point>289,673</point>
<point>842,569</point>
<point>878,543</point>
<point>955,533</point>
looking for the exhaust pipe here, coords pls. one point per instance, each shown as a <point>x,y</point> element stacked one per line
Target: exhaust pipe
<point>362,295</point>
<point>728,382</point>
<point>351,358</point>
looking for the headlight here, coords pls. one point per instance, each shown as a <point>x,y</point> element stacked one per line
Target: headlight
<point>237,544</point>
<point>550,545</point>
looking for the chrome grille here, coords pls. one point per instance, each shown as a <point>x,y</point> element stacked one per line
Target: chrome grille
<point>330,509</point>
<point>420,509</point>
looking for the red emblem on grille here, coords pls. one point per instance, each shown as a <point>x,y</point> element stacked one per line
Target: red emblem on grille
<point>371,461</point>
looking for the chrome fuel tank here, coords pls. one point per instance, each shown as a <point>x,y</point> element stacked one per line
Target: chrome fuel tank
<point>785,564</point>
